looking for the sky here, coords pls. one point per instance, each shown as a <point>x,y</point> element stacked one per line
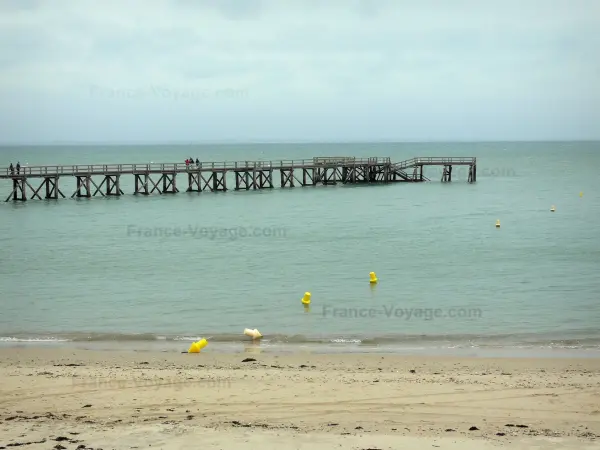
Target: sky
<point>298,70</point>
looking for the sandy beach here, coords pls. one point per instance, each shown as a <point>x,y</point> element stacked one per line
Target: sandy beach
<point>78,399</point>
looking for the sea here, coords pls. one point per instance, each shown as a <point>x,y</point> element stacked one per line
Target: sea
<point>158,272</point>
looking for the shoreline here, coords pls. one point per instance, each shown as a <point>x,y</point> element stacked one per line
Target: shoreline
<point>123,399</point>
<point>265,346</point>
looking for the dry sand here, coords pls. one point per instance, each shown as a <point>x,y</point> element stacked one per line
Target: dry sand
<point>64,398</point>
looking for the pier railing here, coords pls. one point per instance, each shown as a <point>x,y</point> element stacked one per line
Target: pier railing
<point>436,161</point>
<point>99,169</point>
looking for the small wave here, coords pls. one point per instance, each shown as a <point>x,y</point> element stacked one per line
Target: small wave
<point>105,337</point>
<point>582,341</point>
<point>346,341</point>
<point>31,339</point>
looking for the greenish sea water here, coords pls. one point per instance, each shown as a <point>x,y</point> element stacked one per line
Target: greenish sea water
<point>116,270</point>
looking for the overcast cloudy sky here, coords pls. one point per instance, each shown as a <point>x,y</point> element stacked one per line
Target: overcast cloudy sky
<point>262,70</point>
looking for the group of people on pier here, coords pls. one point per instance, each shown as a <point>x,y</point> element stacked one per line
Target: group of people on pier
<point>190,161</point>
<point>12,168</point>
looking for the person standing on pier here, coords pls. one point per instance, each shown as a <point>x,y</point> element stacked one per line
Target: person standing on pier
<point>12,169</point>
<point>18,167</point>
<point>197,163</point>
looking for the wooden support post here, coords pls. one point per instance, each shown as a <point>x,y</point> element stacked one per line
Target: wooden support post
<point>50,191</point>
<point>141,184</point>
<point>18,193</point>
<point>445,174</point>
<point>194,182</point>
<point>219,182</point>
<point>264,179</point>
<point>365,173</point>
<point>329,176</point>
<point>319,175</point>
<point>169,183</point>
<point>118,185</point>
<point>21,184</point>
<point>83,183</point>
<point>287,177</point>
<point>54,190</point>
<point>241,180</point>
<point>332,178</point>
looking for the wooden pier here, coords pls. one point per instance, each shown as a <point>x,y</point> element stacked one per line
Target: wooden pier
<point>212,176</point>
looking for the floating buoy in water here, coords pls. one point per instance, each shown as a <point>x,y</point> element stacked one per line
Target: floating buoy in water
<point>498,223</point>
<point>254,334</point>
<point>197,346</point>
<point>306,298</point>
<point>552,208</point>
<point>581,194</point>
<point>372,278</point>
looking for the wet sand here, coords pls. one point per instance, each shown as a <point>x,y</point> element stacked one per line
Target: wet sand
<point>123,400</point>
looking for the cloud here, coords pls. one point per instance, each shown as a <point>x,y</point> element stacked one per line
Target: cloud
<point>261,67</point>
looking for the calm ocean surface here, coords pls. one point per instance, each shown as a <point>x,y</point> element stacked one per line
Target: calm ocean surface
<point>97,272</point>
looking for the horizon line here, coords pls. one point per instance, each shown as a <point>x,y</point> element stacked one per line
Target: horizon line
<point>276,142</point>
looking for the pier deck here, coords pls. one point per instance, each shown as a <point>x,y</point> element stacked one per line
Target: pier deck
<point>212,176</point>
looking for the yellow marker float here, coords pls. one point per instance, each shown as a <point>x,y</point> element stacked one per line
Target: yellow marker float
<point>306,298</point>
<point>197,346</point>
<point>372,278</point>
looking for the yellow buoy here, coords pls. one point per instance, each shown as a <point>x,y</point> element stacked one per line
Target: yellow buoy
<point>581,194</point>
<point>306,298</point>
<point>372,278</point>
<point>552,208</point>
<point>498,223</point>
<point>254,334</point>
<point>197,346</point>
